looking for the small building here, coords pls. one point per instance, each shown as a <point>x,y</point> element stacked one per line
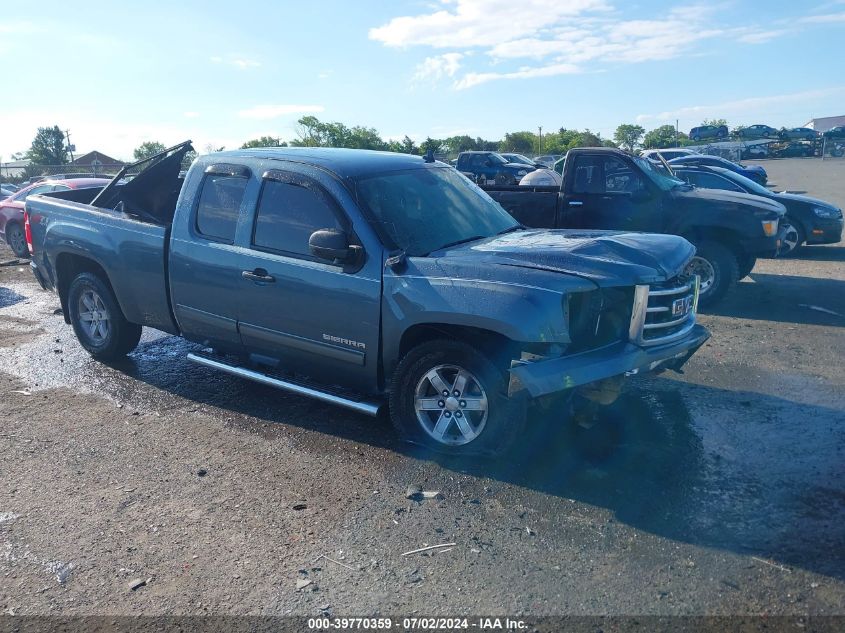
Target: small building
<point>98,162</point>
<point>13,169</point>
<point>825,123</point>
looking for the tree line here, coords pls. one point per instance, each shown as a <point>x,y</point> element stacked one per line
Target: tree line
<point>49,147</point>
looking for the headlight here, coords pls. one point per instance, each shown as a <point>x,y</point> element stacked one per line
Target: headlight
<point>770,227</point>
<point>827,212</point>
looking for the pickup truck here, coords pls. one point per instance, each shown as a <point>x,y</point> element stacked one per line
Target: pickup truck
<point>605,188</point>
<point>491,167</point>
<point>362,278</point>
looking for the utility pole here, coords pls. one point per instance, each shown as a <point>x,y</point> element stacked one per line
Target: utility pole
<point>540,141</point>
<point>676,133</point>
<point>69,146</point>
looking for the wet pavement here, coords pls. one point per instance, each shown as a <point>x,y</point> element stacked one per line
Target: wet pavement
<point>721,491</point>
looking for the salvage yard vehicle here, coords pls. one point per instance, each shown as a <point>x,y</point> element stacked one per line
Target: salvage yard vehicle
<point>799,134</point>
<point>755,172</point>
<point>808,220</point>
<point>11,209</point>
<point>704,132</point>
<point>359,277</point>
<point>484,167</point>
<point>606,188</point>
<point>757,131</point>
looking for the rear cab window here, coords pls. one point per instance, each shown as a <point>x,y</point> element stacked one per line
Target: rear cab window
<point>221,194</point>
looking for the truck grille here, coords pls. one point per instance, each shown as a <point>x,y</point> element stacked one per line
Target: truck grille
<point>664,312</point>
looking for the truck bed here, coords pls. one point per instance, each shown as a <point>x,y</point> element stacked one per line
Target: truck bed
<point>124,248</point>
<point>122,229</point>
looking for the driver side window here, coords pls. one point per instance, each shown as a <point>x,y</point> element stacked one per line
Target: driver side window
<point>288,213</point>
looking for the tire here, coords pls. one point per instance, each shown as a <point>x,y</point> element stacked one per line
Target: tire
<point>97,319</point>
<point>746,265</point>
<point>793,238</point>
<point>16,238</point>
<point>718,268</point>
<point>494,420</point>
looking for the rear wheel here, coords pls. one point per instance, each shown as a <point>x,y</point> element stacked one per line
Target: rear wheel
<point>97,319</point>
<point>449,397</point>
<point>17,239</point>
<point>717,268</point>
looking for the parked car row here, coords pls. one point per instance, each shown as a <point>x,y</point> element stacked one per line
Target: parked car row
<point>761,131</point>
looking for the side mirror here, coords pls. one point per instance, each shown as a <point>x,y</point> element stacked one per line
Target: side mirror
<point>330,244</point>
<point>488,163</point>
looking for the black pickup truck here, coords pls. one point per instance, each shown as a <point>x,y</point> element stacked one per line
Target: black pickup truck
<point>605,188</point>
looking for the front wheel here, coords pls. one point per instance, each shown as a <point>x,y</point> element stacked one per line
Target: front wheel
<point>793,237</point>
<point>746,265</point>
<point>17,239</point>
<point>717,268</point>
<point>97,319</point>
<point>449,397</point>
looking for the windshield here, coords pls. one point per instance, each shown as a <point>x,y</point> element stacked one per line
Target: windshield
<point>518,158</point>
<point>742,181</point>
<point>423,210</point>
<point>498,158</point>
<point>659,176</point>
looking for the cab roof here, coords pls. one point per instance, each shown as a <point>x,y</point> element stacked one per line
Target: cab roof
<point>345,163</point>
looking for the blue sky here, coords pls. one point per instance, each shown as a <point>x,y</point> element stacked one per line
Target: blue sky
<point>222,72</point>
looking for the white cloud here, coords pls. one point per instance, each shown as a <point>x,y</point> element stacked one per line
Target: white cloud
<point>434,68</point>
<point>236,61</point>
<point>741,108</point>
<point>276,111</point>
<point>474,79</point>
<point>827,18</point>
<point>479,22</point>
<point>190,114</point>
<point>761,37</point>
<point>560,36</point>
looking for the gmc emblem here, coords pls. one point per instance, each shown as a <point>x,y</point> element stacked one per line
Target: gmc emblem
<point>681,306</point>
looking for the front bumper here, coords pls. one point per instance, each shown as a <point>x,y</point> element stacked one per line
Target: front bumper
<point>543,377</point>
<point>765,246</point>
<point>825,231</point>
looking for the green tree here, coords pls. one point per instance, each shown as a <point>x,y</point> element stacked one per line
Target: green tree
<point>716,122</point>
<point>431,144</point>
<point>458,144</point>
<point>48,147</point>
<point>629,135</point>
<point>315,133</point>
<point>405,146</point>
<point>147,149</point>
<point>660,137</point>
<point>519,142</point>
<point>264,141</point>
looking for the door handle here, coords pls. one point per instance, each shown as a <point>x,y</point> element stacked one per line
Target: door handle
<point>576,203</point>
<point>258,275</point>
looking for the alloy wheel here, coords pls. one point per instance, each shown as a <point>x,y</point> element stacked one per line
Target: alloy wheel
<point>451,405</point>
<point>705,271</point>
<point>94,316</point>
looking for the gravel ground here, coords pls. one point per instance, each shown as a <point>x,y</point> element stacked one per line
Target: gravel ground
<point>721,491</point>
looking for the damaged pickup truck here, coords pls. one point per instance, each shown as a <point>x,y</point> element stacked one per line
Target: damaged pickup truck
<point>364,278</point>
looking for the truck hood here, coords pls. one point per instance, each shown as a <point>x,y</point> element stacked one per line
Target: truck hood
<point>733,198</point>
<point>607,258</point>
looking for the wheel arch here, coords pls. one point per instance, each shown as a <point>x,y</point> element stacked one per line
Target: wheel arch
<point>68,267</point>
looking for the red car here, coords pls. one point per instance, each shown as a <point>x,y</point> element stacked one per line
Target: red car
<point>11,209</point>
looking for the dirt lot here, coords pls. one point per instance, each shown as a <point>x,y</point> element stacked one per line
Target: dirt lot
<point>721,491</point>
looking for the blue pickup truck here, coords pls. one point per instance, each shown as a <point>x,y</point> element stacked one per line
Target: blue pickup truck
<point>363,278</point>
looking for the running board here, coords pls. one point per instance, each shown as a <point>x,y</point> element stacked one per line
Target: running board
<point>367,408</point>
